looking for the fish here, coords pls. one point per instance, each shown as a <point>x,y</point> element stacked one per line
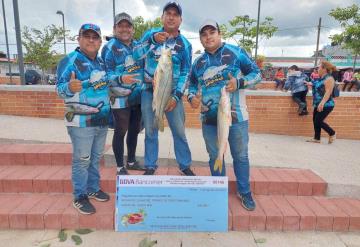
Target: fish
<point>162,84</point>
<point>73,108</point>
<point>117,91</point>
<point>223,127</point>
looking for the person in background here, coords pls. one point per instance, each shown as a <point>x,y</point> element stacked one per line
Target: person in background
<point>296,82</point>
<point>127,76</point>
<point>279,78</point>
<point>357,79</point>
<point>224,65</point>
<point>323,102</point>
<point>348,78</point>
<point>83,84</point>
<point>315,74</point>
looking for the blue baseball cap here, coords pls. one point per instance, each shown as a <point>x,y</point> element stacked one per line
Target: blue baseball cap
<point>173,5</point>
<point>90,26</point>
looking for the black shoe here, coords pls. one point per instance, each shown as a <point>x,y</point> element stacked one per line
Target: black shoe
<point>134,166</point>
<point>188,172</point>
<point>149,171</point>
<point>303,113</point>
<point>122,171</point>
<point>83,205</point>
<point>100,196</point>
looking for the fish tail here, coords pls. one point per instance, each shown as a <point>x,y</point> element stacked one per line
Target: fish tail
<point>159,123</point>
<point>69,116</point>
<point>218,165</point>
<point>112,99</point>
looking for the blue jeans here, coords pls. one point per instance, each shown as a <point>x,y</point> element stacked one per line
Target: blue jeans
<point>88,147</point>
<point>176,120</point>
<point>238,141</point>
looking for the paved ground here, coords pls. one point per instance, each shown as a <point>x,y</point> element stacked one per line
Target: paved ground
<point>338,163</point>
<point>231,239</point>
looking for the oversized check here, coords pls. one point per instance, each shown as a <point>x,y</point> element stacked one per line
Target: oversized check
<point>171,204</point>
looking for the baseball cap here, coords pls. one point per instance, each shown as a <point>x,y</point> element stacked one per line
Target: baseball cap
<point>123,16</point>
<point>210,23</point>
<point>174,5</point>
<point>90,26</point>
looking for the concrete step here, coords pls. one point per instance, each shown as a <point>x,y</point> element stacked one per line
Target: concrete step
<point>57,179</point>
<point>273,212</point>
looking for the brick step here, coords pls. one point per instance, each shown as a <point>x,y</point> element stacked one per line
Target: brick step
<point>274,212</point>
<point>57,179</point>
<point>37,154</point>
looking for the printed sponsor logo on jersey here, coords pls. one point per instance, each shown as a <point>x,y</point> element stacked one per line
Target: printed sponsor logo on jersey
<point>213,74</point>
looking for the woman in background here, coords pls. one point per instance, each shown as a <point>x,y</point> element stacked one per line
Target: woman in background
<point>323,101</point>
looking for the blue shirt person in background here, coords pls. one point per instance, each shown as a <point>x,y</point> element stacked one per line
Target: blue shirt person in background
<point>323,101</point>
<point>224,65</point>
<point>83,84</point>
<point>149,49</point>
<point>127,76</point>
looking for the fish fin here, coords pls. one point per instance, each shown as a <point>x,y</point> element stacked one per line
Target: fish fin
<point>69,116</point>
<point>218,165</point>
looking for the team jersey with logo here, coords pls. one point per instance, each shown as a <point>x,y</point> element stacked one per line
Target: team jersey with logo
<point>150,50</point>
<point>90,107</point>
<point>210,72</point>
<point>119,61</point>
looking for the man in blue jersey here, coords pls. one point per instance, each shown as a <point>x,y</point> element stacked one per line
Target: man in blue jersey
<point>149,49</point>
<point>224,65</point>
<point>83,84</point>
<point>125,91</point>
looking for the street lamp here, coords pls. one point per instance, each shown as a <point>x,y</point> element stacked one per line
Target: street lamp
<point>257,30</point>
<point>59,12</point>
<point>245,18</point>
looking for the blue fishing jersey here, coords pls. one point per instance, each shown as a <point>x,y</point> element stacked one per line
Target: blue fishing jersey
<point>210,72</point>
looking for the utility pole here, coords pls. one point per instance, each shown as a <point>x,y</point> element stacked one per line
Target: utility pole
<point>317,43</point>
<point>18,42</point>
<point>257,30</point>
<point>114,11</point>
<point>7,42</point>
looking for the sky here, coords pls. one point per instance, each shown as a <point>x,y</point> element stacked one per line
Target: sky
<point>296,20</point>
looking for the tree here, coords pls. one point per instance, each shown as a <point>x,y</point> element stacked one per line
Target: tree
<point>349,19</point>
<point>140,25</point>
<point>242,30</point>
<point>39,43</point>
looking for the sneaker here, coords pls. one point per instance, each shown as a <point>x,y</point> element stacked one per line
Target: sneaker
<point>122,171</point>
<point>313,140</point>
<point>134,166</point>
<point>188,172</point>
<point>247,201</point>
<point>83,205</point>
<point>149,171</point>
<point>100,196</point>
<point>332,138</point>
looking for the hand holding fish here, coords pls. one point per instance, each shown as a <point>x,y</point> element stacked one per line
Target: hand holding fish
<point>161,37</point>
<point>170,105</point>
<point>129,79</point>
<point>74,84</point>
<point>195,101</point>
<point>232,84</point>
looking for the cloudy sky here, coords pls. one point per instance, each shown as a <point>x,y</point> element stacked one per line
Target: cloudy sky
<point>297,20</point>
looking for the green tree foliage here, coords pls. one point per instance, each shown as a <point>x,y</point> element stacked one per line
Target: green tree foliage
<point>349,19</point>
<point>242,30</point>
<point>140,25</point>
<point>39,43</point>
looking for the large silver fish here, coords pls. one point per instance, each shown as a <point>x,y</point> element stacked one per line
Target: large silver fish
<point>223,127</point>
<point>73,108</point>
<point>162,87</point>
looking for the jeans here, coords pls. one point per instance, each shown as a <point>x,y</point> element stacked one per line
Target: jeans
<point>88,147</point>
<point>238,141</point>
<point>318,121</point>
<point>176,120</point>
<point>300,99</point>
<point>126,120</point>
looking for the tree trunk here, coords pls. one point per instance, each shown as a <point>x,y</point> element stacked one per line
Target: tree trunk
<point>355,62</point>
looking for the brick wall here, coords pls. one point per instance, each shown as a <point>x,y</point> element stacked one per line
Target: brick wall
<point>270,111</point>
<point>6,80</point>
